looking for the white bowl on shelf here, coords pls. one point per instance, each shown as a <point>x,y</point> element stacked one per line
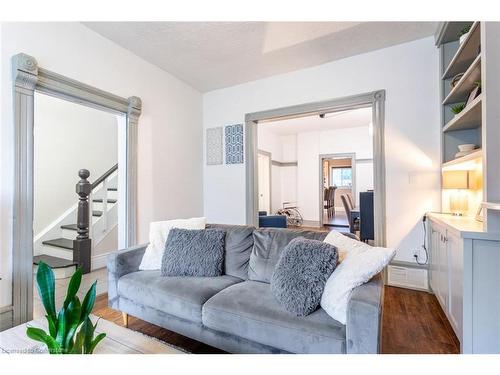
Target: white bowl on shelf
<point>466,147</point>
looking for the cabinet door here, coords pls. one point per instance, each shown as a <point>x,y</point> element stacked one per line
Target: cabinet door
<point>434,261</point>
<point>443,294</point>
<point>455,251</point>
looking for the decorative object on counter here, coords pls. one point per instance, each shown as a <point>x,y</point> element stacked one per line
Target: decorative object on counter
<point>464,33</point>
<point>70,330</point>
<point>455,79</point>
<point>475,92</point>
<point>234,144</point>
<point>465,149</point>
<point>457,181</point>
<point>457,108</point>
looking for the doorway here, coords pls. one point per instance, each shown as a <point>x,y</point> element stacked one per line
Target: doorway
<point>28,78</point>
<point>373,100</point>
<point>337,178</point>
<point>264,170</point>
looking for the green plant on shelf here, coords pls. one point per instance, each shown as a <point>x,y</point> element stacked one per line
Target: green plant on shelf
<point>70,330</point>
<point>464,30</point>
<point>457,108</point>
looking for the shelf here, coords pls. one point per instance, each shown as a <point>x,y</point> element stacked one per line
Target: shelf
<point>469,118</point>
<point>448,32</point>
<point>455,163</point>
<point>466,53</point>
<point>461,91</point>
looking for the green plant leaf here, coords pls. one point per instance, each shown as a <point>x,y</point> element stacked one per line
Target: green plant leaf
<point>96,341</point>
<point>61,326</point>
<point>52,326</point>
<point>74,285</point>
<point>40,335</point>
<point>78,345</point>
<point>45,282</point>
<point>88,302</point>
<point>73,321</point>
<point>88,332</point>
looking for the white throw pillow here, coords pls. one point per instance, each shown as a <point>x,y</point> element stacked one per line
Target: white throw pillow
<point>346,246</point>
<point>354,271</point>
<point>158,234</point>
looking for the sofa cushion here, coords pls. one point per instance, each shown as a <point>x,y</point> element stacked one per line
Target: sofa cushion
<point>193,253</point>
<point>301,273</point>
<point>237,249</point>
<point>181,296</point>
<point>249,310</point>
<point>268,244</point>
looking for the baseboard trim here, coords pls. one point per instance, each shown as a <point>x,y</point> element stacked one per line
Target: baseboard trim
<point>310,223</point>
<point>99,261</point>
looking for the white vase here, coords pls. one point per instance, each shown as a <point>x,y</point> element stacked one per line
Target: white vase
<point>463,37</point>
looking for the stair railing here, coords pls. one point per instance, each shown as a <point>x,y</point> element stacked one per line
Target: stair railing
<point>82,245</point>
<point>104,180</point>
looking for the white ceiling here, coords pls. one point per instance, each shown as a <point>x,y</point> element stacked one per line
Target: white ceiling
<point>213,55</point>
<point>339,120</point>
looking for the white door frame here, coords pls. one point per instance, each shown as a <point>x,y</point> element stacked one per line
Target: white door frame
<point>28,77</point>
<point>322,157</point>
<point>374,100</point>
<point>270,156</point>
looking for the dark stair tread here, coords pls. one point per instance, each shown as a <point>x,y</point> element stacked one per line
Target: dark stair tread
<point>53,262</point>
<point>96,213</point>
<point>63,243</point>
<point>69,227</point>
<point>113,189</point>
<point>99,200</point>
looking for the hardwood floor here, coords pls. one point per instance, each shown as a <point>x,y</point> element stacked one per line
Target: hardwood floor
<point>412,323</point>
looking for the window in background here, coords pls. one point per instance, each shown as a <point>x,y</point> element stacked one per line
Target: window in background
<point>341,177</point>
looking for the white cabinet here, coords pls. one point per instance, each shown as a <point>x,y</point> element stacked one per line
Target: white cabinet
<point>456,269</point>
<point>465,277</point>
<point>446,264</point>
<point>439,265</point>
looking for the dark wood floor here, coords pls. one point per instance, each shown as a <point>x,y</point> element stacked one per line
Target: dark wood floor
<point>413,323</point>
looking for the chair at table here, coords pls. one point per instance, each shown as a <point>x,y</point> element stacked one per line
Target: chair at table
<point>366,229</point>
<point>351,202</point>
<point>353,222</point>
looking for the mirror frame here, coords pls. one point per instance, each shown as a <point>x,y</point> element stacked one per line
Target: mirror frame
<point>29,78</point>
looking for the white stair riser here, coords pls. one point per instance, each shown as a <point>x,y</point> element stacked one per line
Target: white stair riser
<point>59,273</point>
<point>57,252</point>
<point>99,206</point>
<point>69,234</point>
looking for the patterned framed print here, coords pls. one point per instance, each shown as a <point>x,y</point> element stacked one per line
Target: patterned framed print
<point>214,146</point>
<point>233,135</point>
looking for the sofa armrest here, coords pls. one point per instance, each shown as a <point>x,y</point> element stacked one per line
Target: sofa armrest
<point>364,315</point>
<point>120,263</point>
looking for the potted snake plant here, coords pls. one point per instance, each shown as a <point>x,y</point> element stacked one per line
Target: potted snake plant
<point>70,329</point>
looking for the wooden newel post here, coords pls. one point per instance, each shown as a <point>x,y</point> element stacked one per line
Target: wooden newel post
<point>82,243</point>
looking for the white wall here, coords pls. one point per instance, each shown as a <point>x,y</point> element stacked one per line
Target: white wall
<point>68,137</point>
<point>283,149</point>
<point>338,141</point>
<point>170,136</point>
<point>408,72</point>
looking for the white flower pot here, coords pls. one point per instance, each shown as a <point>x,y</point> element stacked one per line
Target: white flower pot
<point>463,37</point>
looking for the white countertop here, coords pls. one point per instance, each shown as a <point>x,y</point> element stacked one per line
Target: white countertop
<point>466,226</point>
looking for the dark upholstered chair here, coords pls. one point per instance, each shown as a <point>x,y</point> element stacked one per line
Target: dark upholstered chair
<point>353,224</point>
<point>272,221</point>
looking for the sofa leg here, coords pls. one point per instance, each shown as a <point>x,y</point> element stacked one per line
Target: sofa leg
<point>125,319</point>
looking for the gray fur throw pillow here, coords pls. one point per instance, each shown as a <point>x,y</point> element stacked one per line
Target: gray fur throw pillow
<point>198,252</point>
<point>301,274</point>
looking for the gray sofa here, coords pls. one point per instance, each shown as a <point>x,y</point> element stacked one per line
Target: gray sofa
<point>236,312</point>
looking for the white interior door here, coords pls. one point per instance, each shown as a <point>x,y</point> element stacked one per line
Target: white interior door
<point>264,165</point>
